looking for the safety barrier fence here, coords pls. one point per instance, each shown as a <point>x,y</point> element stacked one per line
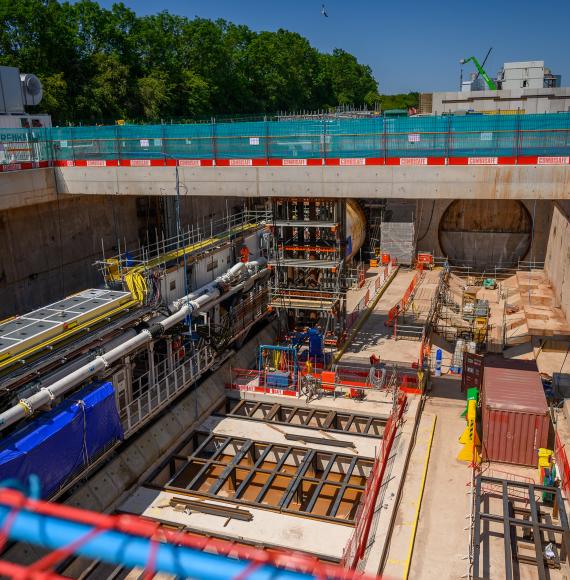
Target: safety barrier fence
<point>472,269</point>
<point>199,237</point>
<point>563,465</point>
<point>160,386</point>
<point>371,293</point>
<point>437,140</point>
<point>358,542</point>
<point>129,541</point>
<point>399,308</point>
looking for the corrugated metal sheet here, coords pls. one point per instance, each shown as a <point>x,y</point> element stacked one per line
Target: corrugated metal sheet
<point>516,422</point>
<point>397,239</point>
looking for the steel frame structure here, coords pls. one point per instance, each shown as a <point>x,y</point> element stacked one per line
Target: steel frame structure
<point>309,237</point>
<point>537,527</point>
<point>315,419</point>
<point>214,466</point>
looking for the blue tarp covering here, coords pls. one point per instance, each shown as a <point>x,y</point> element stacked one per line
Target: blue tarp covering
<point>62,441</point>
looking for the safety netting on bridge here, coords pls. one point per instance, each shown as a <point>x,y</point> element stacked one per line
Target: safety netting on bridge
<point>297,142</point>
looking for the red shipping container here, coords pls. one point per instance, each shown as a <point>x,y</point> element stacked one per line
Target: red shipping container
<point>516,422</point>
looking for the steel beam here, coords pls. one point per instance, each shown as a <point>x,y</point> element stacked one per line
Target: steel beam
<point>253,471</point>
<point>270,479</point>
<point>343,486</point>
<point>536,532</point>
<point>246,447</point>
<point>319,487</point>
<point>292,487</point>
<point>507,533</point>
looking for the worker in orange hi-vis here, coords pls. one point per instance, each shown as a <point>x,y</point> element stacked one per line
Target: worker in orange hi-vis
<point>374,360</point>
<point>244,254</point>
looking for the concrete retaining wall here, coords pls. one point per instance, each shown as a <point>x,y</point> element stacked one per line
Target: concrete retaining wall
<point>48,249</point>
<point>23,188</point>
<point>557,263</point>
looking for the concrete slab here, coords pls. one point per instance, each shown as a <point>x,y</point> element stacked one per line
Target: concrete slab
<point>267,528</point>
<point>376,403</point>
<point>270,433</point>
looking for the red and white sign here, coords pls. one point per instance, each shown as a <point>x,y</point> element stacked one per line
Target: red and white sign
<point>482,161</point>
<point>352,161</point>
<point>413,161</point>
<point>553,160</point>
<point>95,163</point>
<point>140,162</point>
<point>189,163</point>
<point>294,162</point>
<point>240,162</point>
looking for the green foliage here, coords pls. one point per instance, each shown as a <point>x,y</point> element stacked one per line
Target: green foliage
<point>98,64</point>
<point>402,101</point>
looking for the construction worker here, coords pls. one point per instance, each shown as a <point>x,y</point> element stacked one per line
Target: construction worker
<point>308,367</point>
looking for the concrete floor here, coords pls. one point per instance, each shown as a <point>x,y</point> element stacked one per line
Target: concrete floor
<point>375,337</point>
<point>265,431</point>
<point>267,528</point>
<point>442,540</point>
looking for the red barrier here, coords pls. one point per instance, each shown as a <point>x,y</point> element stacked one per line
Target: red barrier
<point>403,304</point>
<point>563,465</point>
<point>356,546</point>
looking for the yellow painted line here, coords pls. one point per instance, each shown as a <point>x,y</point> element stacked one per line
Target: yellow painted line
<point>419,503</point>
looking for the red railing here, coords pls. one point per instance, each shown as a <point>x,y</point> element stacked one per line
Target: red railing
<point>403,303</point>
<point>133,527</point>
<point>563,465</point>
<point>356,546</point>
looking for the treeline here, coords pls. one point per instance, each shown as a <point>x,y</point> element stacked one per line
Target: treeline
<point>97,64</point>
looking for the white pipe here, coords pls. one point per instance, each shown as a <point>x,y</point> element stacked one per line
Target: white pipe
<point>183,307</point>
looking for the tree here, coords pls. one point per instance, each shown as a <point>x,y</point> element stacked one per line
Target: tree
<point>98,64</point>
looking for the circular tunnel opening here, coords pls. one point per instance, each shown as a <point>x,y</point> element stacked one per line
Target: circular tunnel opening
<point>485,233</point>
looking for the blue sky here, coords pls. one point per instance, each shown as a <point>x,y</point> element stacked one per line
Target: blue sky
<point>413,45</point>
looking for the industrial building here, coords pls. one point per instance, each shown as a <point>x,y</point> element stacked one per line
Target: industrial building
<point>301,347</point>
<point>519,87</point>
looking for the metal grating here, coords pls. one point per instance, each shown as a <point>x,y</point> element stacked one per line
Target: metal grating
<point>39,325</point>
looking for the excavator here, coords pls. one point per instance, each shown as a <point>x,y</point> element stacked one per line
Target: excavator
<point>480,70</point>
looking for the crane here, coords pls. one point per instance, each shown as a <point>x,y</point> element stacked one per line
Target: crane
<point>480,70</point>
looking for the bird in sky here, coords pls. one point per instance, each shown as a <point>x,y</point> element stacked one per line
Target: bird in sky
<point>324,11</point>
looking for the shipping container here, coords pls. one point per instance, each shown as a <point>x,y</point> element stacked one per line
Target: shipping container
<point>516,422</point>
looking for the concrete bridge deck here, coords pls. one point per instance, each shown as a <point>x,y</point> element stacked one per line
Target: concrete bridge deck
<point>548,182</point>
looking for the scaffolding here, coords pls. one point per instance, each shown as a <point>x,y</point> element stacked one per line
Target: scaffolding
<point>308,256</point>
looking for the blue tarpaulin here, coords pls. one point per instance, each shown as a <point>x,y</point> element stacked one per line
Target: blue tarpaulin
<point>64,440</point>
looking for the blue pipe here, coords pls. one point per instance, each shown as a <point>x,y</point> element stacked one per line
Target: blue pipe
<point>132,551</point>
